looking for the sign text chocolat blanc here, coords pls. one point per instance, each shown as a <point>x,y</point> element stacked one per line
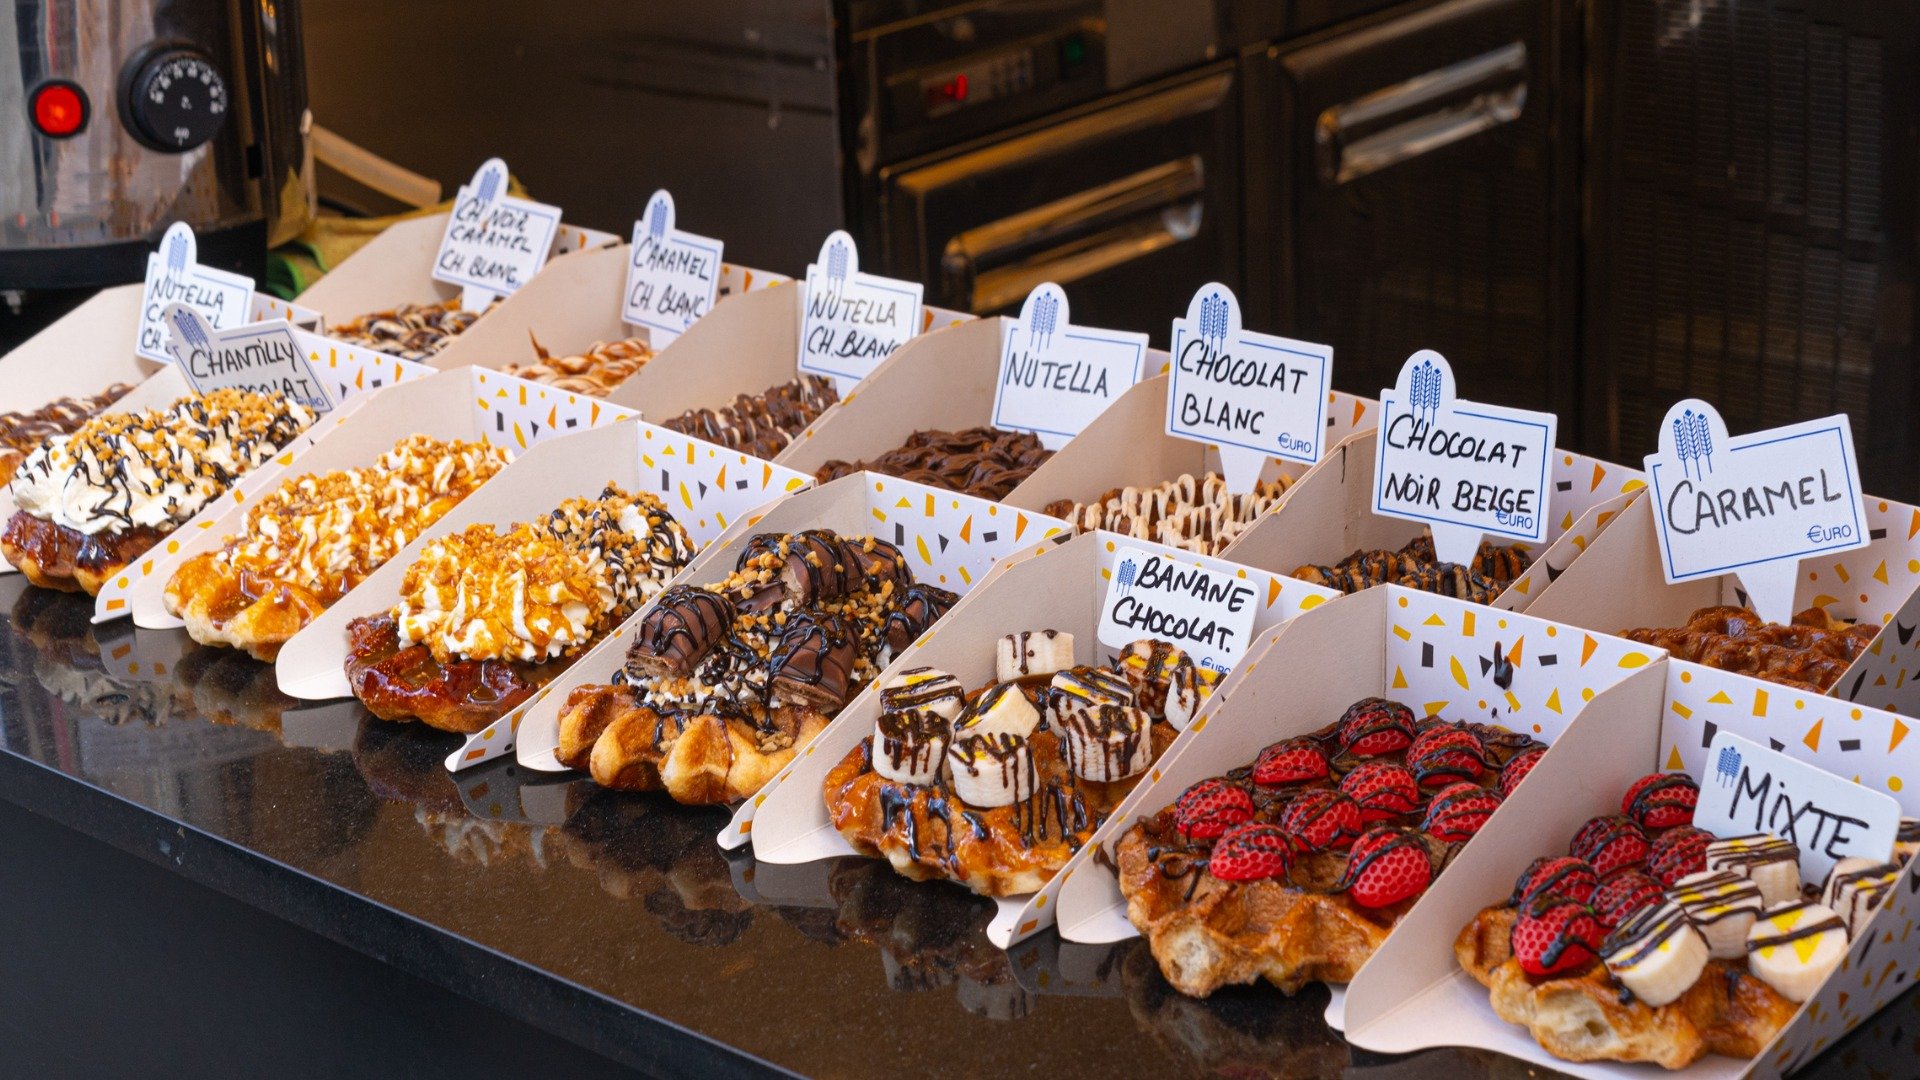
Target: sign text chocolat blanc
<point>1410,432</point>
<point>1201,358</point>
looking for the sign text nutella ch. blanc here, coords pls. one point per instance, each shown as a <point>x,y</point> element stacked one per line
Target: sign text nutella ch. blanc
<point>1409,431</point>
<point>851,314</point>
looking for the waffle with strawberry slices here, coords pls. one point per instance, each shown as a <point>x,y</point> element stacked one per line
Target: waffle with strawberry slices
<point>1295,868</point>
<point>1642,942</point>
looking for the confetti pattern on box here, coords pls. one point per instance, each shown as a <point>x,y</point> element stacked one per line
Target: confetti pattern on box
<point>1876,584</point>
<point>951,540</point>
<point>1464,662</point>
<point>1347,414</point>
<point>708,487</point>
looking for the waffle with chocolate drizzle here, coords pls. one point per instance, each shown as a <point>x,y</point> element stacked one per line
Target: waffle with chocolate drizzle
<point>983,461</point>
<point>598,370</point>
<point>486,619</point>
<point>410,331</point>
<point>725,682</point>
<point>1193,515</point>
<point>91,503</point>
<point>1417,567</point>
<point>760,424</point>
<point>20,432</point>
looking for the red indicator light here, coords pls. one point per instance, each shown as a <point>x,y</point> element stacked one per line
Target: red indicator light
<point>952,91</point>
<point>59,109</point>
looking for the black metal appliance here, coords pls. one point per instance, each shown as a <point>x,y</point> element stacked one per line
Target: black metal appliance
<point>118,119</point>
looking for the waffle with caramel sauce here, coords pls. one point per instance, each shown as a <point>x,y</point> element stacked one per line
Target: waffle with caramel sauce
<point>725,683</point>
<point>1809,655</point>
<point>1295,868</point>
<point>487,618</point>
<point>315,537</point>
<point>91,503</point>
<point>597,371</point>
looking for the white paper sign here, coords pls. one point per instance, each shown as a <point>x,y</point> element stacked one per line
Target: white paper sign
<point>1753,505</point>
<point>1754,789</point>
<point>672,276</point>
<point>174,275</point>
<point>1253,395</point>
<point>1466,469</point>
<point>263,357</point>
<point>494,243</point>
<point>1056,378</point>
<point>851,320</point>
<point>1206,610</point>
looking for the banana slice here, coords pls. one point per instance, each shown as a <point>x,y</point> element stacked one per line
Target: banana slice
<point>1656,953</point>
<point>1722,906</point>
<point>1003,709</point>
<point>1166,681</point>
<point>909,746</point>
<point>1771,863</point>
<point>991,770</point>
<point>1106,743</point>
<point>924,688</point>
<point>1032,652</point>
<point>1793,947</point>
<point>1855,888</point>
<point>1083,688</point>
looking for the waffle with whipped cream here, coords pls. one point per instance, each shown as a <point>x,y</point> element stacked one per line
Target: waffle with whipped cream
<point>20,432</point>
<point>1198,515</point>
<point>486,618</point>
<point>410,331</point>
<point>317,536</point>
<point>92,502</point>
<point>724,683</point>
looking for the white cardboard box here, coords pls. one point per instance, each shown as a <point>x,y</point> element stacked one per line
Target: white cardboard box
<point>1460,661</point>
<point>949,540</point>
<point>1061,589</point>
<point>1617,585</point>
<point>1328,514</point>
<point>706,487</point>
<point>1415,995</point>
<point>468,404</point>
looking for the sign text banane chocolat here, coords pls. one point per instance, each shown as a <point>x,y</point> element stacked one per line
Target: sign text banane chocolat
<point>1136,611</point>
<point>1410,432</point>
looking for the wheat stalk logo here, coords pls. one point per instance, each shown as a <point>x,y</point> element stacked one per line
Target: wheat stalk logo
<point>1424,390</point>
<point>1213,320</point>
<point>1693,443</point>
<point>1046,315</point>
<point>657,220</point>
<point>189,328</point>
<point>837,264</point>
<point>177,254</point>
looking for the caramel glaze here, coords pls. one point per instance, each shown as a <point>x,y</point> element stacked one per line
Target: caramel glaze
<point>58,551</point>
<point>462,696</point>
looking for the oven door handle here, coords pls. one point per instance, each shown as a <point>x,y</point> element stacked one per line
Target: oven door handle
<point>1398,123</point>
<point>1076,237</point>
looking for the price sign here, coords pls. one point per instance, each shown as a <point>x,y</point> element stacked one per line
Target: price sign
<point>1466,469</point>
<point>1196,604</point>
<point>1753,505</point>
<point>175,276</point>
<point>1056,378</point>
<point>494,243</point>
<point>1754,789</point>
<point>262,357</point>
<point>853,320</point>
<point>672,276</point>
<point>1253,395</point>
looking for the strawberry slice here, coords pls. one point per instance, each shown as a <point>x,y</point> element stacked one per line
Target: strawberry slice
<point>1445,754</point>
<point>1610,843</point>
<point>1211,807</point>
<point>1383,790</point>
<point>1387,865</point>
<point>1517,768</point>
<point>1294,761</point>
<point>1374,726</point>
<point>1623,893</point>
<point>1677,853</point>
<point>1322,818</point>
<point>1555,875</point>
<point>1457,812</point>
<point>1252,852</point>
<point>1555,934</point>
<point>1661,801</point>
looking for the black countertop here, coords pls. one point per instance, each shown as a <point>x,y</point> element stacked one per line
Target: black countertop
<point>611,920</point>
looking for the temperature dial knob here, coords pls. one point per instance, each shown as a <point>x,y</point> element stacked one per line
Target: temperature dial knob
<point>176,99</point>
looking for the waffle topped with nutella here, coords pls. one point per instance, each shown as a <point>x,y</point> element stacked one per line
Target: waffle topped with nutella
<point>1198,515</point>
<point>983,461</point>
<point>723,682</point>
<point>760,424</point>
<point>410,331</point>
<point>487,617</point>
<point>317,536</point>
<point>92,502</point>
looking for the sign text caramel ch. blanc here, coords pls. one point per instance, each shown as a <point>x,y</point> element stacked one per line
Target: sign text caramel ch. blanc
<point>673,276</point>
